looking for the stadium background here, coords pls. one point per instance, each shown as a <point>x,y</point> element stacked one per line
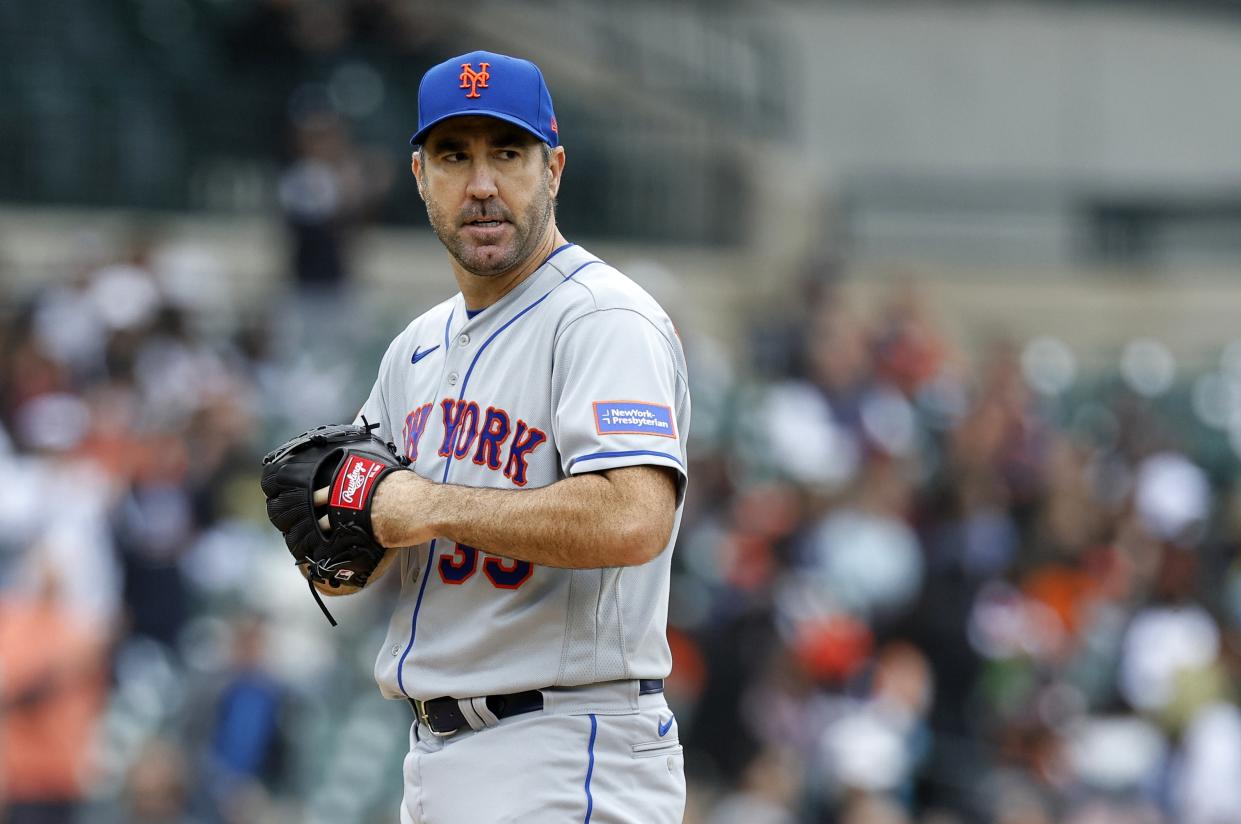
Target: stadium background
<point>956,282</point>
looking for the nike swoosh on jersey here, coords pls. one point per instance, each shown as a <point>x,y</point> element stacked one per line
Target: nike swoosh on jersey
<point>420,355</point>
<point>664,726</point>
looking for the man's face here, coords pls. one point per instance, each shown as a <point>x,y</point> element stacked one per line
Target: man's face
<point>489,192</point>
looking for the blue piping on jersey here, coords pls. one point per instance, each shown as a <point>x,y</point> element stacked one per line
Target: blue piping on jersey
<point>590,768</point>
<point>447,324</point>
<point>426,573</point>
<point>557,251</point>
<point>413,622</point>
<point>426,576</point>
<point>509,323</point>
<point>471,313</point>
<point>575,461</point>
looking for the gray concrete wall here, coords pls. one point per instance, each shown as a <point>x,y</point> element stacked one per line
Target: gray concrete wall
<point>1062,94</point>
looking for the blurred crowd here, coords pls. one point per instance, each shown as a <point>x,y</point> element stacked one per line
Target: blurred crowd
<point>148,665</point>
<point>914,584</point>
<point>925,585</point>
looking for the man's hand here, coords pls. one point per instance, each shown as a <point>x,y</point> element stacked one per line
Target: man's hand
<point>392,523</point>
<point>332,469</point>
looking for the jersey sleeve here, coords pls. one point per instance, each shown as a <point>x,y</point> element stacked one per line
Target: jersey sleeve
<point>375,409</point>
<point>618,394</point>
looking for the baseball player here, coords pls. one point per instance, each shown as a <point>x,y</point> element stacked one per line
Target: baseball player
<point>543,412</point>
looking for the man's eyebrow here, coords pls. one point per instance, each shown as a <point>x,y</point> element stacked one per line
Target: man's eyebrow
<point>500,139</point>
<point>447,144</point>
<point>511,137</point>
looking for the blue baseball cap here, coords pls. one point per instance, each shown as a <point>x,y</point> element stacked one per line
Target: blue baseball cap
<point>488,84</point>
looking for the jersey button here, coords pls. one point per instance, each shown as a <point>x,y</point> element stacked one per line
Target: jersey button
<point>464,340</point>
<point>452,378</point>
<point>396,650</point>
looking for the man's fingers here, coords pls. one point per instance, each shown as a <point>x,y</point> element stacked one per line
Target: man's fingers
<point>320,499</point>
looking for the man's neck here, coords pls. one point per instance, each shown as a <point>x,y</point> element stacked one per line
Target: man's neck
<point>480,292</point>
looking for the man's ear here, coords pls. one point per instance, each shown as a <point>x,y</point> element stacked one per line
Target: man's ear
<point>555,163</point>
<point>415,166</point>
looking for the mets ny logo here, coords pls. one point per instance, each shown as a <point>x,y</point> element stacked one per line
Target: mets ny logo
<point>474,80</point>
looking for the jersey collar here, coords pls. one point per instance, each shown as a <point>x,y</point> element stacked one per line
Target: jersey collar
<point>549,270</point>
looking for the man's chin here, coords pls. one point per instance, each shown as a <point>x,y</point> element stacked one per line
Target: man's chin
<point>487,261</point>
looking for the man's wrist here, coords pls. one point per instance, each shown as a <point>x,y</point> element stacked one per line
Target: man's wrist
<point>385,506</point>
<point>401,509</point>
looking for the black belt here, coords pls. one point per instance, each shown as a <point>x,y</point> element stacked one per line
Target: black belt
<point>443,716</point>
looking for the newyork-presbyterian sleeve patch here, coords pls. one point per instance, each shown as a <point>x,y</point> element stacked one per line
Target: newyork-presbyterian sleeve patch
<point>633,418</point>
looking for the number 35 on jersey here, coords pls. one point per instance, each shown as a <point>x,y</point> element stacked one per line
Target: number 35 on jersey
<point>459,565</point>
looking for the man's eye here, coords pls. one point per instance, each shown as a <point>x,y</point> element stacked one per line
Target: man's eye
<point>454,157</point>
<point>507,154</point>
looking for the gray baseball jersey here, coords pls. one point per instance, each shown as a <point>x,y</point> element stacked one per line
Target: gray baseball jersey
<point>576,370</point>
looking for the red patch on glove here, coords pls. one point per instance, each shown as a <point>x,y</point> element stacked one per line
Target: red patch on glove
<point>352,487</point>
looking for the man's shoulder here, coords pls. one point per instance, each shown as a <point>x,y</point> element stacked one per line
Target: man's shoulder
<point>596,285</point>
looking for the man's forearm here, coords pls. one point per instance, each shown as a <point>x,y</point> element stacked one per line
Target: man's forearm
<point>587,521</point>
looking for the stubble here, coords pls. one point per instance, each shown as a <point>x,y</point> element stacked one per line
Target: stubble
<point>528,231</point>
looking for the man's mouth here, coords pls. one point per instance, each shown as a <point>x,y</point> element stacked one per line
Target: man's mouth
<point>486,224</point>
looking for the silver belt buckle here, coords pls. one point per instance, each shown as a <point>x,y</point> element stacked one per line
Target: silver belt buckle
<point>420,707</point>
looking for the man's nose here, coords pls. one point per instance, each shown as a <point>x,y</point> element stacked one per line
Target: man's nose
<point>482,183</point>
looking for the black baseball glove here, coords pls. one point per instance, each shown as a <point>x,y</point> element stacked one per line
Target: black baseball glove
<point>349,462</point>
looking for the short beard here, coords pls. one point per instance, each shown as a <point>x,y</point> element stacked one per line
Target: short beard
<point>536,219</point>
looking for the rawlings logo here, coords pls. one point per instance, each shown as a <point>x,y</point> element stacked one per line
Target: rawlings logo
<point>353,484</point>
<point>353,481</point>
<point>474,80</point>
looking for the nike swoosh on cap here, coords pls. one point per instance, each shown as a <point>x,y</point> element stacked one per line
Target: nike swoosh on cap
<point>664,726</point>
<point>420,355</point>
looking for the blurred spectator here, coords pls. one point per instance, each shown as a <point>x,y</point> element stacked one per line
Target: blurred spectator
<point>153,526</point>
<point>767,793</point>
<point>157,786</point>
<point>52,689</point>
<point>863,556</point>
<point>58,515</point>
<point>328,189</point>
<point>909,350</point>
<point>872,809</point>
<point>245,740</point>
<point>1205,789</point>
